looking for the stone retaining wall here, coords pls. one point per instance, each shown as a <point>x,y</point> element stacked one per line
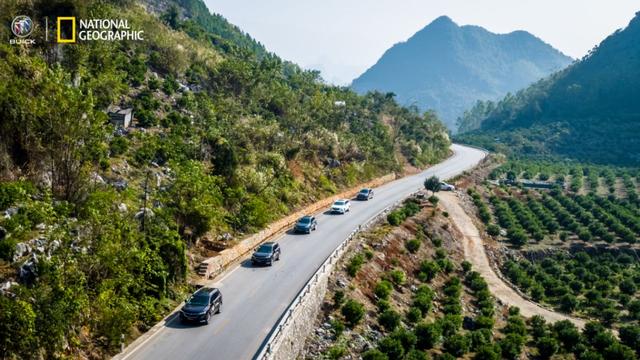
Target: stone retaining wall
<point>215,265</point>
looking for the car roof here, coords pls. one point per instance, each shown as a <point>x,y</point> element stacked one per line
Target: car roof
<point>206,290</point>
<point>365,189</point>
<point>270,243</point>
<point>306,217</point>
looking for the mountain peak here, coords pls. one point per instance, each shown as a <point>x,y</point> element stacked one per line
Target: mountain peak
<point>441,21</point>
<point>447,67</point>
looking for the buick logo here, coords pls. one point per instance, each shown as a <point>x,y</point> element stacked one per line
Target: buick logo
<point>22,26</point>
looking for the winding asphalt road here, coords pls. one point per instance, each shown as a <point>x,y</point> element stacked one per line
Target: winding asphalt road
<point>256,297</point>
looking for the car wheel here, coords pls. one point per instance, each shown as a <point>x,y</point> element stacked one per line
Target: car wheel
<point>271,262</point>
<point>219,310</point>
<point>206,320</point>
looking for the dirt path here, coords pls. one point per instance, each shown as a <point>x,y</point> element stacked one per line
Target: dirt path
<point>475,253</point>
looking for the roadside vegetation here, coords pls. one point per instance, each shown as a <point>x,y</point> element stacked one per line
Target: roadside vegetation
<point>429,304</point>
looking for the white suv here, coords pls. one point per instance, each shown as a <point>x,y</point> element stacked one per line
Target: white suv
<point>341,206</point>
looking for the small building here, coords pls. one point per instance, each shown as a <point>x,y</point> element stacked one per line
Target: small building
<point>121,118</point>
<point>340,103</point>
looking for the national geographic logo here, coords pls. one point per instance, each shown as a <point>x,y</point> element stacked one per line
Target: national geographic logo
<point>70,30</point>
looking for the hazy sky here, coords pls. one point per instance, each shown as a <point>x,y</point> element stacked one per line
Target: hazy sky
<point>342,38</point>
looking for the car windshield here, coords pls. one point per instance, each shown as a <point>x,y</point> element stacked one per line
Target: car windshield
<point>199,300</point>
<point>364,191</point>
<point>304,220</point>
<point>339,202</point>
<point>264,248</point>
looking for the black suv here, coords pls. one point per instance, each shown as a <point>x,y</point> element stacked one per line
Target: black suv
<point>365,194</point>
<point>201,305</point>
<point>305,224</point>
<point>266,254</point>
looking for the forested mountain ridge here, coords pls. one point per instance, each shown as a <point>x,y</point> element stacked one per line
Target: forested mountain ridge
<point>100,225</point>
<point>448,68</point>
<point>589,111</point>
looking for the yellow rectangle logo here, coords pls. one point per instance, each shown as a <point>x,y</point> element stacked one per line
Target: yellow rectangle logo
<point>73,30</point>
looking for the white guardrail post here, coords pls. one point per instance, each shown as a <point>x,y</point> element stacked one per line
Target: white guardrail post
<point>267,347</point>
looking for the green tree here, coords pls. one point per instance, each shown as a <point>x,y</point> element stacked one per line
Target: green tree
<point>457,345</point>
<point>353,312</point>
<point>429,335</point>
<point>432,184</point>
<point>389,319</point>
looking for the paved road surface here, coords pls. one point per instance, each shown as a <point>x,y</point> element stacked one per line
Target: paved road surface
<point>475,253</point>
<point>254,298</point>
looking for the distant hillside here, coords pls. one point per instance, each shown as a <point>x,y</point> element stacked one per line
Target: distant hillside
<point>590,111</point>
<point>448,68</point>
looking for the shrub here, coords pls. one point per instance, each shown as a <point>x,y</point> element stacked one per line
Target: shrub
<point>450,324</point>
<point>457,345</point>
<point>353,312</point>
<point>397,276</point>
<point>547,346</point>
<point>423,299</point>
<point>483,322</point>
<point>493,230</point>
<point>517,237</point>
<point>392,348</point>
<point>433,200</point>
<point>428,270</point>
<point>338,327</point>
<point>488,352</point>
<point>416,355</point>
<point>568,303</point>
<point>337,351</point>
<point>119,145</point>
<point>630,336</point>
<point>383,305</point>
<point>429,335</point>
<point>355,264</point>
<point>414,314</point>
<point>480,338</point>
<point>389,319</point>
<point>406,337</point>
<point>413,245</point>
<point>374,354</point>
<point>338,298</point>
<point>511,346</point>
<point>395,218</point>
<point>436,241</point>
<point>383,289</point>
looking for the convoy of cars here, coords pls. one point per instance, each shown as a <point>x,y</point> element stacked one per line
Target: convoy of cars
<point>207,301</point>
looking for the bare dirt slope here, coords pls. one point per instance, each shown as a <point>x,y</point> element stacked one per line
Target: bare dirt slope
<point>475,253</point>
